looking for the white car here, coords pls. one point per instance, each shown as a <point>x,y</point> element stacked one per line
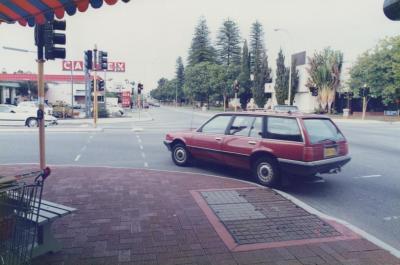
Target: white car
<point>32,106</point>
<point>114,110</point>
<point>8,116</point>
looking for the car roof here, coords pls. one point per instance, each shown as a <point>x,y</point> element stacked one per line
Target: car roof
<point>277,113</point>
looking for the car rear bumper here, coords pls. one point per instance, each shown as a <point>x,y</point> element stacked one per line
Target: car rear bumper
<point>311,168</point>
<point>168,144</point>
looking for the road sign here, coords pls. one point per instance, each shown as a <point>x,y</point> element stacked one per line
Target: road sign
<point>299,58</point>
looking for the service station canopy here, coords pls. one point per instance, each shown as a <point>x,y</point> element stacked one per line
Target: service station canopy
<point>31,12</point>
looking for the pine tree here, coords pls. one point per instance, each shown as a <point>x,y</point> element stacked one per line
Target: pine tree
<point>244,77</point>
<point>180,78</point>
<point>228,43</point>
<point>257,48</point>
<point>262,75</point>
<point>282,79</point>
<point>201,49</point>
<point>295,81</point>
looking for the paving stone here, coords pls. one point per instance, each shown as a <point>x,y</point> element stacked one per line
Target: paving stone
<point>237,211</point>
<point>222,197</point>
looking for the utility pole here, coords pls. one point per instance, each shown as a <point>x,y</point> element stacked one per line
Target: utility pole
<point>95,87</point>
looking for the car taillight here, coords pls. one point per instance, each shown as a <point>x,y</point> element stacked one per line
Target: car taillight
<point>308,154</point>
<point>343,148</point>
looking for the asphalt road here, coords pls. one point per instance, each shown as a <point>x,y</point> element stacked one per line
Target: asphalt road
<point>366,193</point>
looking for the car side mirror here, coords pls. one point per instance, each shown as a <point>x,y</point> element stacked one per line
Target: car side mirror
<point>12,111</point>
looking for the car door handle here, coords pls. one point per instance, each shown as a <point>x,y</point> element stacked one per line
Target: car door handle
<point>252,142</point>
<point>218,138</point>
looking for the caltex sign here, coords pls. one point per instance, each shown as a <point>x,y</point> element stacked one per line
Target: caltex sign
<point>78,66</point>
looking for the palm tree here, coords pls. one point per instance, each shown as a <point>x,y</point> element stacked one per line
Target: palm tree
<point>324,73</point>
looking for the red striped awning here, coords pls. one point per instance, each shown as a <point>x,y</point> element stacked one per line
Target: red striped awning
<point>31,12</point>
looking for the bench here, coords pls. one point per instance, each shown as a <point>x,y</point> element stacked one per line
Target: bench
<point>48,213</point>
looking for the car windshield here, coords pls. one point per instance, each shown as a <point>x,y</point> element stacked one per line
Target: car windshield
<point>320,130</point>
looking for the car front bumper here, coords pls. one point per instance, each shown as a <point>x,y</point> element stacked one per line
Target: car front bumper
<point>301,168</point>
<point>168,143</point>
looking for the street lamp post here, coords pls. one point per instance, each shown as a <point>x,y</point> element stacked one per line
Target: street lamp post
<point>290,62</point>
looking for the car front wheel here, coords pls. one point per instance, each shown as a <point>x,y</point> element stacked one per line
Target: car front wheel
<point>180,155</point>
<point>266,172</point>
<point>32,122</point>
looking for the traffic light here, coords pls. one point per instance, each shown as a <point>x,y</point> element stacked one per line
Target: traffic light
<point>101,85</point>
<point>52,38</point>
<point>140,88</point>
<point>88,60</point>
<point>103,60</point>
<point>92,85</point>
<point>314,91</point>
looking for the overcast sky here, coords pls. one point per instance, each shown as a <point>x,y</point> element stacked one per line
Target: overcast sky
<point>150,34</point>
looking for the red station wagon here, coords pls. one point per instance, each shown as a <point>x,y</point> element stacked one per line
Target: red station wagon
<point>268,143</point>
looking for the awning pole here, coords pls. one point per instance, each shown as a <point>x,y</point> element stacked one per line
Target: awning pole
<point>41,118</point>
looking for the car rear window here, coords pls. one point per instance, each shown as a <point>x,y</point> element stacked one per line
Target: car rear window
<point>320,130</point>
<point>286,129</point>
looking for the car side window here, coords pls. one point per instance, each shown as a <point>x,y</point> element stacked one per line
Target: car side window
<point>241,125</point>
<point>257,128</point>
<point>217,125</point>
<point>280,128</point>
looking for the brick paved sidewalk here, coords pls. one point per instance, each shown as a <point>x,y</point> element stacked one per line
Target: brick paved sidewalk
<point>128,216</point>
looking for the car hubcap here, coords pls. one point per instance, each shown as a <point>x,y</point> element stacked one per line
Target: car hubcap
<point>265,172</point>
<point>180,155</point>
<point>32,123</point>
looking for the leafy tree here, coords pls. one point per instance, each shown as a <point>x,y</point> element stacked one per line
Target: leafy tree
<point>201,49</point>
<point>324,73</point>
<point>244,77</point>
<point>228,43</point>
<point>379,68</point>
<point>282,79</point>
<point>180,78</point>
<point>198,85</point>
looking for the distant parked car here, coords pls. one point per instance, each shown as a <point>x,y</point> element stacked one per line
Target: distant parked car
<point>285,108</point>
<point>32,106</point>
<point>268,143</point>
<point>145,105</point>
<point>62,110</point>
<point>8,116</point>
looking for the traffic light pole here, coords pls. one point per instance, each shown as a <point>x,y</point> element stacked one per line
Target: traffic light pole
<point>95,86</point>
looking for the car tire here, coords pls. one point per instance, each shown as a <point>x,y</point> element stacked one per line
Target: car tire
<point>266,172</point>
<point>32,122</point>
<point>180,155</point>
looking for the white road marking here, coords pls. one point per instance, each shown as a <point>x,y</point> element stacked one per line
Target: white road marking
<point>83,148</point>
<point>390,218</point>
<point>77,157</point>
<point>136,129</point>
<point>143,155</point>
<point>139,140</point>
<point>145,164</point>
<point>369,176</point>
<point>141,147</point>
<point>91,137</point>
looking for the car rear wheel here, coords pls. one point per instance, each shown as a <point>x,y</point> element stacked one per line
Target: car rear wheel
<point>266,172</point>
<point>32,122</point>
<point>180,155</point>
